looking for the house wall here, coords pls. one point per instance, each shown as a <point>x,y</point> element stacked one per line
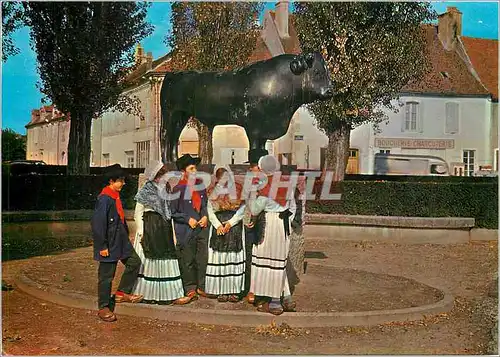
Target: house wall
<point>474,128</point>
<point>115,135</point>
<point>48,142</point>
<point>494,134</point>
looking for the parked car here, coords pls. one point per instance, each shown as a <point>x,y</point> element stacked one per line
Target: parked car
<point>417,165</point>
<point>26,162</point>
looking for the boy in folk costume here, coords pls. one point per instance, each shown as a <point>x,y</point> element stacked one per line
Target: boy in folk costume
<point>111,244</point>
<point>189,212</point>
<point>270,253</point>
<point>226,250</point>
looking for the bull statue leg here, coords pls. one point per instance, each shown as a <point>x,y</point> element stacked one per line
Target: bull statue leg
<point>172,124</point>
<point>256,142</point>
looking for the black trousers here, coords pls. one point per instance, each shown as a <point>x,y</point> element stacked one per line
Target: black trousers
<point>193,260</point>
<point>249,238</point>
<point>106,274</point>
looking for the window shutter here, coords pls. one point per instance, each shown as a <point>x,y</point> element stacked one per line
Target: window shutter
<point>420,117</point>
<point>406,114</point>
<point>452,115</point>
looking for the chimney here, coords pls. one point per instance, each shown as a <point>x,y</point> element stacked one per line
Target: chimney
<point>139,54</point>
<point>281,18</point>
<point>450,27</point>
<point>149,60</point>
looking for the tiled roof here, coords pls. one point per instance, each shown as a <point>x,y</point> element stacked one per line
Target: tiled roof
<point>449,74</point>
<point>483,53</point>
<point>159,65</point>
<point>46,114</point>
<point>290,44</point>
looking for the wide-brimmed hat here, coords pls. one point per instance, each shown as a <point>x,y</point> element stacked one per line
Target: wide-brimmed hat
<point>153,168</point>
<point>255,154</point>
<point>186,160</point>
<point>113,172</point>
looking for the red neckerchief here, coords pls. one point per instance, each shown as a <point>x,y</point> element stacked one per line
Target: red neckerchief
<point>281,195</point>
<point>195,195</point>
<point>108,191</point>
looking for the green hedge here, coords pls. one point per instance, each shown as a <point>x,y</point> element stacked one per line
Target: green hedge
<point>416,199</point>
<point>58,192</point>
<point>465,198</point>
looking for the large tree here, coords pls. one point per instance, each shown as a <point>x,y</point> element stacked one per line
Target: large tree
<point>212,36</point>
<point>12,19</point>
<point>84,52</point>
<point>13,145</point>
<point>373,49</point>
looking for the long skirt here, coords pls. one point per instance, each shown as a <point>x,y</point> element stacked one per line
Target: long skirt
<point>269,259</point>
<point>159,280</point>
<point>226,259</point>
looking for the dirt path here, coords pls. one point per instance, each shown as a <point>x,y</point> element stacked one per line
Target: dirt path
<point>33,327</point>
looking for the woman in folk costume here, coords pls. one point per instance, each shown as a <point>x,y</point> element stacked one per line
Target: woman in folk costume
<point>225,276</point>
<point>159,278</point>
<point>270,253</point>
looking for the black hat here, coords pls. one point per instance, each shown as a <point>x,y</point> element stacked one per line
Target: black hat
<point>255,154</point>
<point>114,172</point>
<point>186,160</point>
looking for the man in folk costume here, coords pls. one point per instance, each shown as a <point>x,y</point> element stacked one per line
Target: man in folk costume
<point>159,279</point>
<point>226,251</point>
<point>111,244</point>
<point>270,253</point>
<point>189,212</point>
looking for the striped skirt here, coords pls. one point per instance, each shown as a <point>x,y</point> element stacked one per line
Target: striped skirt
<point>269,258</point>
<point>225,270</point>
<point>159,280</point>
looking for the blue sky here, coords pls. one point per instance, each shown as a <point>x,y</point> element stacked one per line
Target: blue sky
<point>19,75</point>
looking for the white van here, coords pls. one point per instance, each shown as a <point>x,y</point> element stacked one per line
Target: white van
<point>417,165</point>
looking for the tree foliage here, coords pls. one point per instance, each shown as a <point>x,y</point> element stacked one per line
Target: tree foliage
<point>84,52</point>
<point>13,145</point>
<point>212,36</point>
<point>373,49</point>
<point>12,20</point>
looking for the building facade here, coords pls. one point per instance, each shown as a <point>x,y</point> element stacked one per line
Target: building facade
<point>47,136</point>
<point>452,113</point>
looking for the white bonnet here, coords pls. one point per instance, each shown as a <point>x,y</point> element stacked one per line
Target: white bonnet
<point>152,169</point>
<point>269,164</point>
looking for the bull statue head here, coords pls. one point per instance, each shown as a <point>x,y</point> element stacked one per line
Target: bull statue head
<point>318,81</point>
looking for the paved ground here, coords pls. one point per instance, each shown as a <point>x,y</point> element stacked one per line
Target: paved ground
<point>347,289</point>
<point>32,327</point>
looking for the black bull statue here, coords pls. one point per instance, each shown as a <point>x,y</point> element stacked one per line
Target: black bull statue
<point>260,97</point>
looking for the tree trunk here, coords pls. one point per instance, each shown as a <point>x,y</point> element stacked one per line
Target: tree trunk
<point>79,144</point>
<point>337,152</point>
<point>205,148</point>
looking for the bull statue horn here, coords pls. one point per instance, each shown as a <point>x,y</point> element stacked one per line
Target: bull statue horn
<point>310,59</point>
<point>298,65</point>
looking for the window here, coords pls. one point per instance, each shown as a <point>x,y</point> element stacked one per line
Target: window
<point>142,154</point>
<point>451,124</point>
<point>353,152</point>
<point>105,159</point>
<point>411,116</point>
<point>469,156</point>
<point>385,151</point>
<point>129,158</point>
